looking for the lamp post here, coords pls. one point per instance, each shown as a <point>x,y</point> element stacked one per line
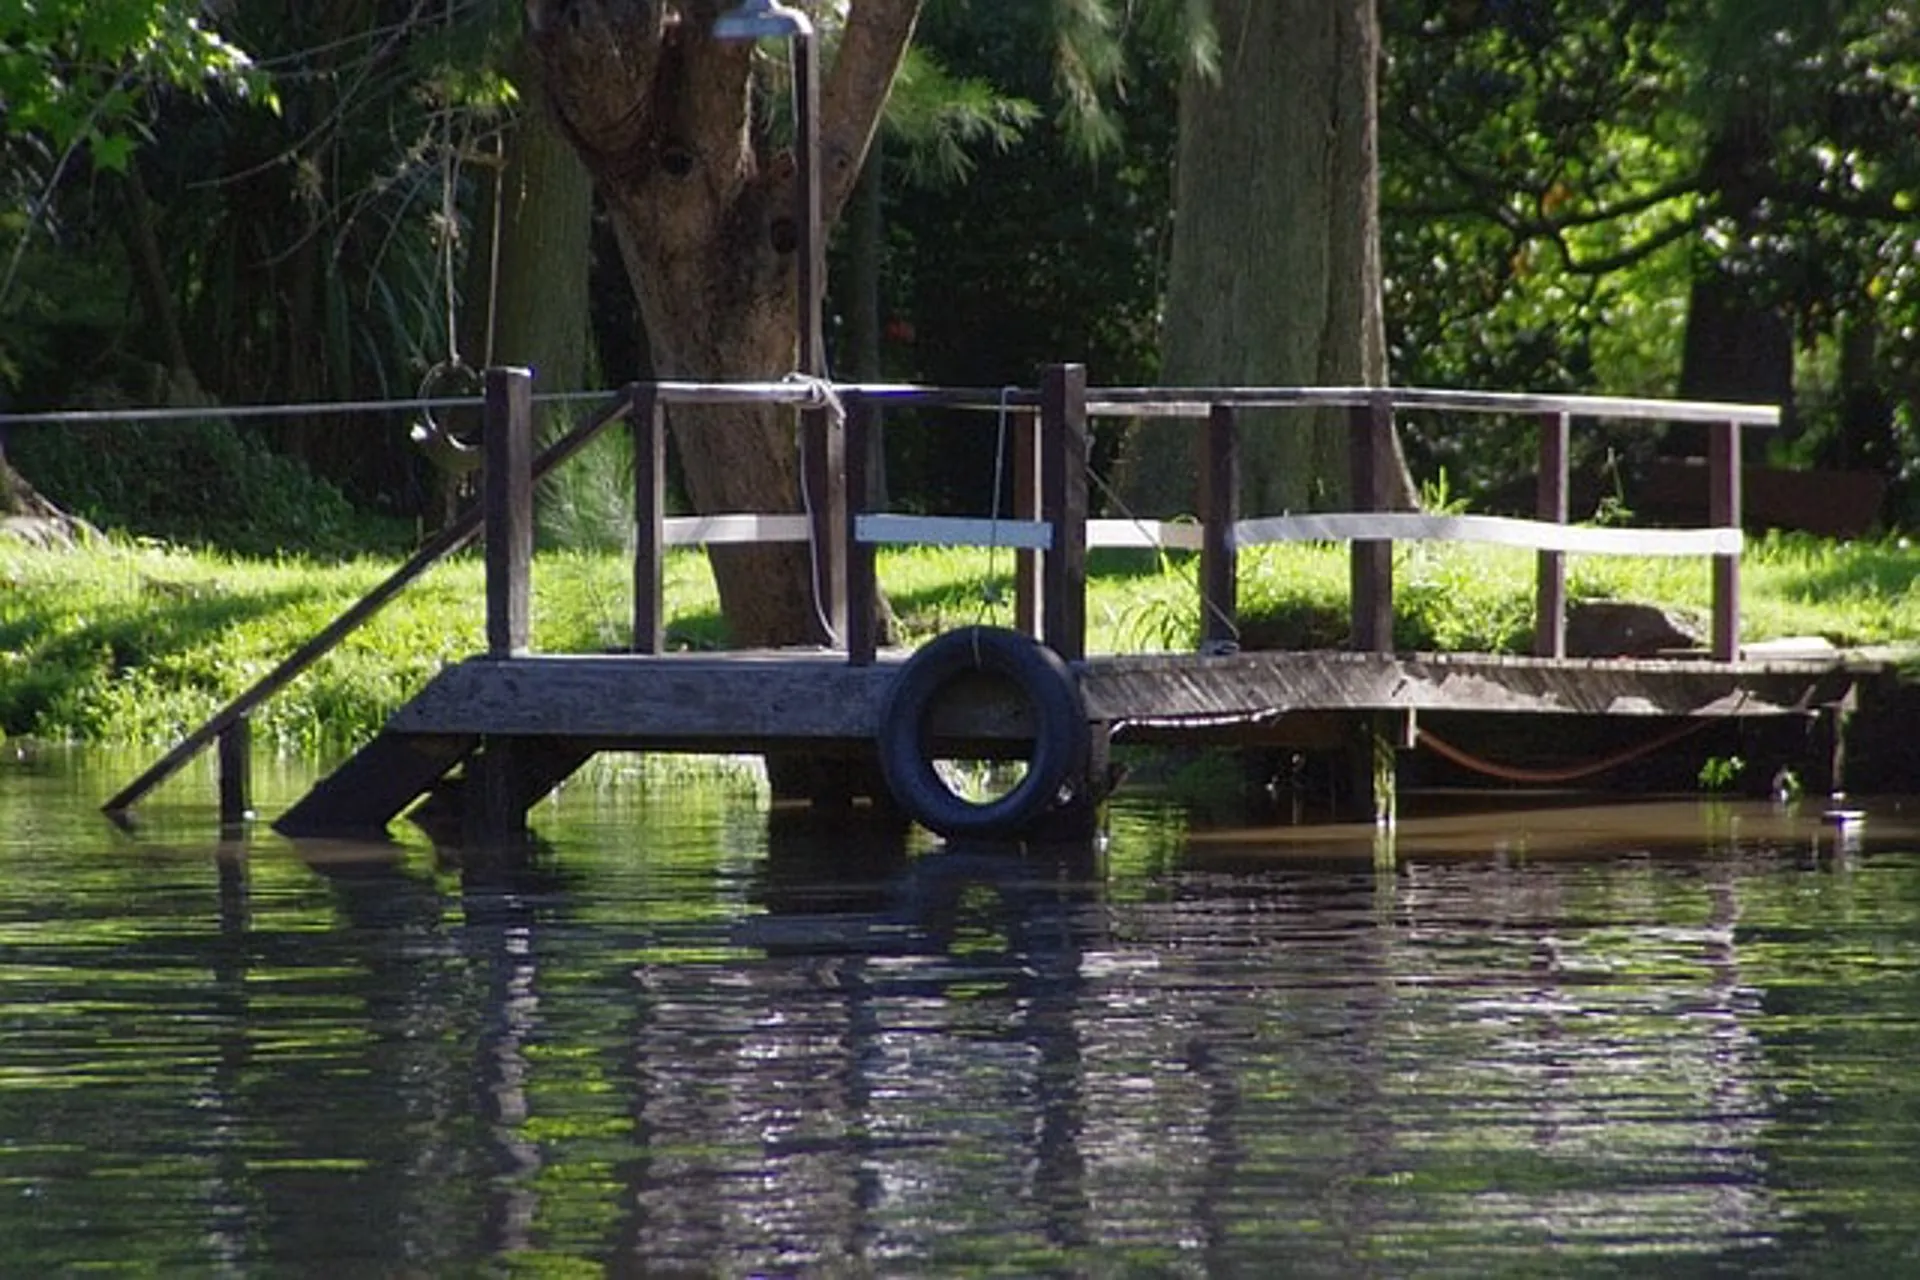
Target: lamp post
<point>769,19</point>
<point>823,457</point>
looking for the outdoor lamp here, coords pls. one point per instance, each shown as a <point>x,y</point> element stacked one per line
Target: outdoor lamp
<point>754,19</point>
<point>758,19</point>
<point>821,439</point>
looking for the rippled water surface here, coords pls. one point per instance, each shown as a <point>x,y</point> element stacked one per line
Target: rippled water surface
<point>685,1038</point>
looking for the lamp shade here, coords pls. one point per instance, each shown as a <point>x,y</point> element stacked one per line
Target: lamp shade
<point>757,19</point>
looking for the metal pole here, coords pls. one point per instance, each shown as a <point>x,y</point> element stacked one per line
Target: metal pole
<point>806,107</point>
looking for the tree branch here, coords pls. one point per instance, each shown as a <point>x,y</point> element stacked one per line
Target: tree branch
<point>872,44</point>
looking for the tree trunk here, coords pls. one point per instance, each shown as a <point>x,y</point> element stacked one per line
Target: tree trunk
<point>1737,347</point>
<point>659,112</point>
<point>1275,272</point>
<point>526,304</point>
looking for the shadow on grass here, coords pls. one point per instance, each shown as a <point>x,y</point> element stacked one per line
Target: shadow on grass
<point>1820,569</point>
<point>58,665</point>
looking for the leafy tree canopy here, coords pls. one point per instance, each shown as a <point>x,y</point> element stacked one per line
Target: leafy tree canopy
<point>74,71</point>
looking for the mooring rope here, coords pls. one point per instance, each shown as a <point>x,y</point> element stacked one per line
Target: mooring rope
<point>1549,777</point>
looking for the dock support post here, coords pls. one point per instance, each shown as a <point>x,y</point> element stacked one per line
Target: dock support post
<point>1838,719</point>
<point>863,588</point>
<point>1219,513</point>
<point>1373,756</point>
<point>491,812</point>
<point>1370,455</point>
<point>1028,586</point>
<point>649,517</point>
<point>1723,512</point>
<point>507,497</point>
<point>1063,500</point>
<point>236,772</point>
<point>1550,591</point>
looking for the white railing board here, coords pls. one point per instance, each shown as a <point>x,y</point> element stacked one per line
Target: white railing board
<point>1165,535</point>
<point>953,531</point>
<point>1198,402</point>
<point>1504,531</point>
<point>718,530</point>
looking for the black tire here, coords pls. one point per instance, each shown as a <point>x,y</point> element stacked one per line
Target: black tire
<point>1059,757</point>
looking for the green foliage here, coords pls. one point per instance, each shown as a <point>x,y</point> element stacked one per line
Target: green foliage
<point>139,643</point>
<point>198,481</point>
<point>935,120</point>
<point>1558,178</point>
<point>1721,773</point>
<point>74,71</point>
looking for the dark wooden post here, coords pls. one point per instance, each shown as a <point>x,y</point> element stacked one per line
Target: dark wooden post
<point>1723,511</point>
<point>649,518</point>
<point>1063,502</point>
<point>236,771</point>
<point>492,812</point>
<point>1219,513</point>
<point>863,588</point>
<point>1370,452</point>
<point>1550,591</point>
<point>1027,586</point>
<point>824,473</point>
<point>507,498</point>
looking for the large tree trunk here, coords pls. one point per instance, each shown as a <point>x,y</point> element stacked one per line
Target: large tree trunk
<point>526,278</point>
<point>1275,273</point>
<point>1737,347</point>
<point>659,112</point>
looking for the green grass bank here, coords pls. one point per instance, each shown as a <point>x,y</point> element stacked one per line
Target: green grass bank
<point>136,643</point>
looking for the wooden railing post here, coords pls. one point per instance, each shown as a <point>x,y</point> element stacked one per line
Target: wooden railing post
<point>863,588</point>
<point>1063,503</point>
<point>507,500</point>
<point>1219,513</point>
<point>824,473</point>
<point>1550,591</point>
<point>1027,584</point>
<point>1370,451</point>
<point>1723,511</point>
<point>649,518</point>
<point>236,771</point>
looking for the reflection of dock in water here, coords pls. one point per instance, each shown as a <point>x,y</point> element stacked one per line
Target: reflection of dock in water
<point>892,1057</point>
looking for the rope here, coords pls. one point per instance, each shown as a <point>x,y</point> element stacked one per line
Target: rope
<point>821,395</point>
<point>1548,777</point>
<point>989,596</point>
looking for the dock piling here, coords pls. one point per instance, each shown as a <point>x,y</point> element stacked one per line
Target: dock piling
<point>1063,500</point>
<point>1370,455</point>
<point>1550,591</point>
<point>507,500</point>
<point>649,518</point>
<point>1219,513</point>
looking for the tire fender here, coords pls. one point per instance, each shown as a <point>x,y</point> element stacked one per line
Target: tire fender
<point>1060,746</point>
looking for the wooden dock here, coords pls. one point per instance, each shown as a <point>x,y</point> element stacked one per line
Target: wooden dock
<point>490,736</point>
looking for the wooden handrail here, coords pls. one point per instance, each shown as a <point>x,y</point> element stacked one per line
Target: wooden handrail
<point>457,534</point>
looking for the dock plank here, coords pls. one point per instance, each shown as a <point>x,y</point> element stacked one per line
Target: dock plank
<point>749,701</point>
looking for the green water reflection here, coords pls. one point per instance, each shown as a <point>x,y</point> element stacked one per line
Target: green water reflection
<point>685,1038</point>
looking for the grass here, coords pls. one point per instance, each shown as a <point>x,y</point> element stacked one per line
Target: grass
<point>138,643</point>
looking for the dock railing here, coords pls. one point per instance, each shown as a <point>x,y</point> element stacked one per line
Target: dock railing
<point>1048,529</point>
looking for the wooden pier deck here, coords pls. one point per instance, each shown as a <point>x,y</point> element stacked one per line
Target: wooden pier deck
<point>498,731</point>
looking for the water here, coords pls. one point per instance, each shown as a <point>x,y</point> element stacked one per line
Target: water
<point>1672,1039</point>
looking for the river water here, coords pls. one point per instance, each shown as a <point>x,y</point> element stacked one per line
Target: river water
<point>687,1037</point>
